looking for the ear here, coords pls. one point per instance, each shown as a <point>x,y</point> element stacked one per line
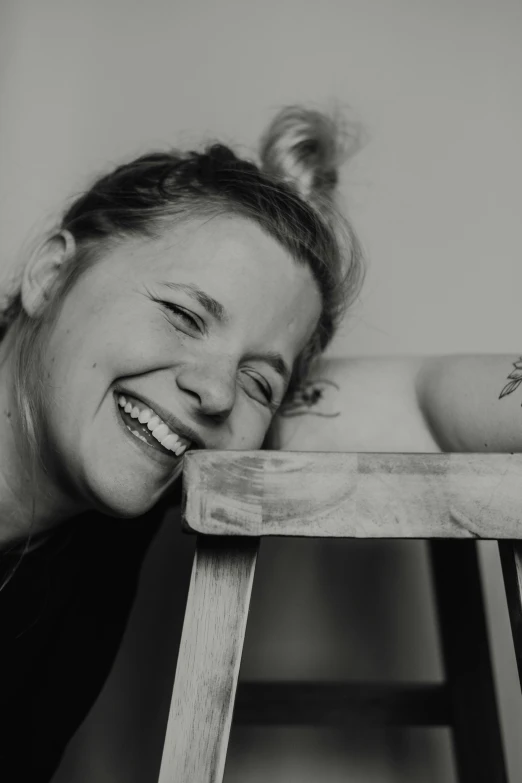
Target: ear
<point>43,269</point>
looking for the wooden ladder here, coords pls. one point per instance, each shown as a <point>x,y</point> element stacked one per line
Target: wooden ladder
<point>233,499</point>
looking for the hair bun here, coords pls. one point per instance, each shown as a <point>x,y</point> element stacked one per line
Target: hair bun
<point>305,148</point>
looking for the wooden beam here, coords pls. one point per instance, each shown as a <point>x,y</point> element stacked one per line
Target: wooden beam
<point>477,737</point>
<point>341,703</point>
<point>357,495</point>
<point>511,559</point>
<point>200,713</point>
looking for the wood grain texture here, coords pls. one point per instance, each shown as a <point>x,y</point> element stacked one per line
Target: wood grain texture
<point>359,495</point>
<point>511,559</point>
<point>208,663</point>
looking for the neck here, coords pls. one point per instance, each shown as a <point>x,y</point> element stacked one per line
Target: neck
<point>30,501</point>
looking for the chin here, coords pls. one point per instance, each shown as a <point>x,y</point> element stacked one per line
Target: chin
<point>129,499</point>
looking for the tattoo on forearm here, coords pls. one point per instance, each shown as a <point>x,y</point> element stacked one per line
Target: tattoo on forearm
<point>312,398</point>
<point>514,377</point>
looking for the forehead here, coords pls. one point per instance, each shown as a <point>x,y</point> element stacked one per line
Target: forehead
<point>224,245</point>
<point>236,262</point>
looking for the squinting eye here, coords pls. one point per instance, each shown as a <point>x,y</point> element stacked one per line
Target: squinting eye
<point>258,388</point>
<point>184,315</point>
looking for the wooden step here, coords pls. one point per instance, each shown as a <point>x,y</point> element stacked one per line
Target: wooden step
<point>341,703</point>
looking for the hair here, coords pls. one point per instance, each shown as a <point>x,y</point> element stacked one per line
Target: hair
<point>290,194</point>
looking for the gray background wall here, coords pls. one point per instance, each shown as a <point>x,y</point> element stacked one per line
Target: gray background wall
<point>436,198</point>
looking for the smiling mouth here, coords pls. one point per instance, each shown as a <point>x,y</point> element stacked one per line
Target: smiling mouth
<point>147,427</point>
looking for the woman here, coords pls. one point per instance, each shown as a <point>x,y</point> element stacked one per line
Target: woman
<point>178,304</point>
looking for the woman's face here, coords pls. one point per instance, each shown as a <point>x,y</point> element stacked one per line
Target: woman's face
<point>189,335</point>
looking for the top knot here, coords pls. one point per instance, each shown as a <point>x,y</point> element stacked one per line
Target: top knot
<point>305,148</point>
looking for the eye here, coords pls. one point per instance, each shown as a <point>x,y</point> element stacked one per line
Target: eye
<point>185,316</point>
<point>258,388</point>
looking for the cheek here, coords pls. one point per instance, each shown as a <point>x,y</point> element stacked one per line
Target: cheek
<point>110,353</point>
<point>99,327</point>
<point>250,441</point>
<point>249,427</point>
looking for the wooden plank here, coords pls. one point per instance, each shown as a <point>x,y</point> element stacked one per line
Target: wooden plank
<point>477,738</point>
<point>511,559</point>
<point>208,662</point>
<point>341,703</point>
<point>273,493</point>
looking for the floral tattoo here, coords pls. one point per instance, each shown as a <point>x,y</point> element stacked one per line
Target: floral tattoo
<point>514,377</point>
<point>312,399</point>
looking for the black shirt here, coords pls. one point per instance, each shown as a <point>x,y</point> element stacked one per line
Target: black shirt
<point>62,618</point>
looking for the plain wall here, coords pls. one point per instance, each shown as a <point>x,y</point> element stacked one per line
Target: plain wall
<point>435,196</point>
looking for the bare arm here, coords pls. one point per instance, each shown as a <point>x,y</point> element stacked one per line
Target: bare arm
<point>473,403</point>
<point>446,403</point>
<point>356,405</point>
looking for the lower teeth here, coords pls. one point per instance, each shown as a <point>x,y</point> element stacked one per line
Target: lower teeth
<point>134,432</point>
<point>138,435</point>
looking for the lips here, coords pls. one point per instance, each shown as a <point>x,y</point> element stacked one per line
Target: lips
<point>148,446</point>
<point>141,433</point>
<point>142,419</point>
<point>173,423</point>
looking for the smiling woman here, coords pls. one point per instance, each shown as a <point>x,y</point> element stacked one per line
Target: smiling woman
<point>179,303</point>
<point>121,331</point>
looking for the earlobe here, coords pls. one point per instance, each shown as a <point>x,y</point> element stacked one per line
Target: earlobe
<point>43,270</point>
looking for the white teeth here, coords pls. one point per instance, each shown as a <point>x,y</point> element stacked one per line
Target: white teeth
<point>170,442</point>
<point>160,432</point>
<point>153,423</point>
<point>137,434</point>
<point>180,449</point>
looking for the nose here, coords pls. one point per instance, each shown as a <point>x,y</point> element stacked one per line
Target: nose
<point>210,386</point>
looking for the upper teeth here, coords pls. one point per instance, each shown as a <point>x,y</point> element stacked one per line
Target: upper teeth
<point>161,431</point>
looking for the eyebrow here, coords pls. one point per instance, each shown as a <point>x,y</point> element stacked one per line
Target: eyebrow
<point>210,304</point>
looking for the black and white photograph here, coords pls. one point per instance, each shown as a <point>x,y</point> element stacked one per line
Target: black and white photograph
<point>260,391</point>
